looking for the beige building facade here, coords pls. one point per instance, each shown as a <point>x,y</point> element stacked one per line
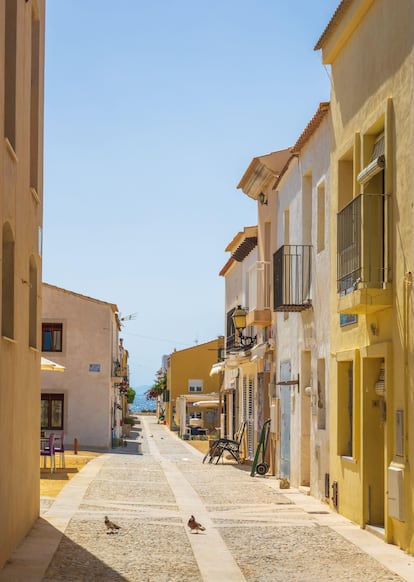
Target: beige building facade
<point>85,402</point>
<point>22,36</point>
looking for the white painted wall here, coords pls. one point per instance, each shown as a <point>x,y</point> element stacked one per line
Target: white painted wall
<point>303,338</point>
<point>236,281</point>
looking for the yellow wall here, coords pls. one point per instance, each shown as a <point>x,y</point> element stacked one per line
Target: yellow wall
<point>192,363</point>
<point>372,64</point>
<point>21,209</point>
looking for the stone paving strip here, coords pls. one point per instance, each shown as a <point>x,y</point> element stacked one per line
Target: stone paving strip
<point>255,532</point>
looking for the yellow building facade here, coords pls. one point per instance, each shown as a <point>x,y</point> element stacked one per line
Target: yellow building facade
<point>188,373</point>
<point>369,46</point>
<point>21,215</point>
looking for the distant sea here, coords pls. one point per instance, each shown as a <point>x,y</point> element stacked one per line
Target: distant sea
<point>141,403</point>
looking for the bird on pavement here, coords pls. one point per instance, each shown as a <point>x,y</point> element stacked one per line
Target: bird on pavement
<point>194,525</point>
<point>110,525</point>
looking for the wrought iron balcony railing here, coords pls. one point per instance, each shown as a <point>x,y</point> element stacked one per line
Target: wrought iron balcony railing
<point>292,266</point>
<point>361,243</point>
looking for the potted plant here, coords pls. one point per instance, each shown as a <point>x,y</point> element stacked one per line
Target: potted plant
<point>127,423</point>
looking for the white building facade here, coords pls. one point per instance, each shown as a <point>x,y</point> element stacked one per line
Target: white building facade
<point>301,309</point>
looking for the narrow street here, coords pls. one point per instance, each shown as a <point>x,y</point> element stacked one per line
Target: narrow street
<point>254,531</point>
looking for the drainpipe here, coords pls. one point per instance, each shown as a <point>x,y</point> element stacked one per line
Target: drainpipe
<point>408,281</point>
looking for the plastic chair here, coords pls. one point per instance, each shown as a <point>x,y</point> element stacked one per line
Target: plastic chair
<point>49,452</point>
<point>60,450</point>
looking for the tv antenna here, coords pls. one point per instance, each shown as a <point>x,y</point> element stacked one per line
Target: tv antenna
<point>124,318</point>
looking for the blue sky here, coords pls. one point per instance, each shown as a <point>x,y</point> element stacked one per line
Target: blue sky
<point>153,112</point>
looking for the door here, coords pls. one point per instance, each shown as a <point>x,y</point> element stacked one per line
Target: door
<point>373,440</point>
<point>285,421</point>
<point>248,413</point>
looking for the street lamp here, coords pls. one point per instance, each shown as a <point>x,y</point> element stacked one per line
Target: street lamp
<point>239,322</point>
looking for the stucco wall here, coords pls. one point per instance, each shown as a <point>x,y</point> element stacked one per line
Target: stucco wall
<point>193,363</point>
<point>372,87</point>
<point>19,363</point>
<point>88,331</point>
<point>303,338</point>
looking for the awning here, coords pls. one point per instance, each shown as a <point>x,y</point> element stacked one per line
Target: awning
<point>206,403</point>
<point>216,368</point>
<point>258,351</point>
<point>46,364</point>
<point>376,163</point>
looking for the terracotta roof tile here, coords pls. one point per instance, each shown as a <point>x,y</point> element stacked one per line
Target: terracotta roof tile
<point>312,126</point>
<point>305,136</point>
<point>333,23</point>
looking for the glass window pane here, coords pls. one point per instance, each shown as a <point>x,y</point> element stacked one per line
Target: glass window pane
<point>44,414</point>
<point>52,337</point>
<point>57,340</point>
<point>47,341</point>
<point>56,418</point>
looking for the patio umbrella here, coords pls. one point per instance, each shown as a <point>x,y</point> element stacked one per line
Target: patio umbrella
<point>46,364</point>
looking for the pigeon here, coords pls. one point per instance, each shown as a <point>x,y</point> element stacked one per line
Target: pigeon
<point>110,525</point>
<point>194,525</point>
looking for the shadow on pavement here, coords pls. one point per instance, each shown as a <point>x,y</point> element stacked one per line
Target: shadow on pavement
<point>48,555</point>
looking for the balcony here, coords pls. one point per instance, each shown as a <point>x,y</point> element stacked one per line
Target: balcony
<point>362,262</point>
<point>259,295</point>
<point>292,278</point>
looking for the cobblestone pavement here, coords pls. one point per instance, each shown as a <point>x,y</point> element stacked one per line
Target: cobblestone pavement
<point>254,531</point>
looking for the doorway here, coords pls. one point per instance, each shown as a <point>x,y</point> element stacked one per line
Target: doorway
<point>285,410</point>
<point>373,441</point>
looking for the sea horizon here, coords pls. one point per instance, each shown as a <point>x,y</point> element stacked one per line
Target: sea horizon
<point>141,403</point>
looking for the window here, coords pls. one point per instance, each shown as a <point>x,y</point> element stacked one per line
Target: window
<point>51,412</point>
<point>34,104</point>
<point>195,385</point>
<point>10,73</point>
<point>196,415</point>
<point>307,208</point>
<point>346,409</point>
<point>321,394</point>
<point>345,179</point>
<point>33,304</point>
<point>320,242</point>
<point>286,238</point>
<point>7,305</point>
<point>251,287</point>
<point>248,411</point>
<point>347,319</point>
<point>52,337</point>
<point>230,331</point>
